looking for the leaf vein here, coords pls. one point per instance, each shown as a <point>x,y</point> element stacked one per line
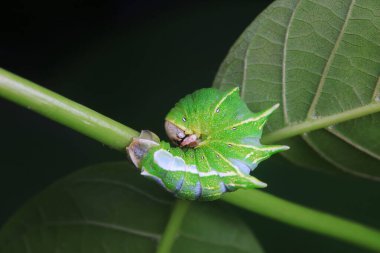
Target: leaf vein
<point>284,58</point>
<point>350,142</point>
<point>125,185</point>
<point>336,164</point>
<point>376,92</point>
<point>106,225</point>
<point>326,69</point>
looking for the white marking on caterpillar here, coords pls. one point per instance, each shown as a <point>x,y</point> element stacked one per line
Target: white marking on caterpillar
<point>178,164</point>
<point>262,115</point>
<point>256,161</point>
<point>257,182</point>
<point>274,149</point>
<point>227,174</point>
<point>270,148</point>
<point>220,174</point>
<point>168,162</point>
<point>252,179</point>
<point>227,161</point>
<point>163,159</point>
<point>192,169</point>
<point>210,173</point>
<point>224,98</point>
<point>244,122</point>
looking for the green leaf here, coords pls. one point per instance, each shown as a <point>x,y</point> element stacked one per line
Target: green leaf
<point>321,61</point>
<point>211,230</point>
<point>111,208</point>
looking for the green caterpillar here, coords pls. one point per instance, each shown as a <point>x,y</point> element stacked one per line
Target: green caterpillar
<point>218,141</point>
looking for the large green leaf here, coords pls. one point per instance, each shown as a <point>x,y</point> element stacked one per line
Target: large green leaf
<point>320,59</point>
<point>111,208</point>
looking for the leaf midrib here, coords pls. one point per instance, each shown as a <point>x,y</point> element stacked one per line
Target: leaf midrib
<point>322,122</point>
<point>106,225</point>
<point>326,69</point>
<point>283,71</point>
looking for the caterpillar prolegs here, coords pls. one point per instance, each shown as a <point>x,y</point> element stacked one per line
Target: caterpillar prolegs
<point>218,145</point>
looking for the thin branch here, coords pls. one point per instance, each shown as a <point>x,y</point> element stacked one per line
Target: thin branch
<point>171,231</point>
<point>322,122</point>
<point>296,215</point>
<point>65,111</point>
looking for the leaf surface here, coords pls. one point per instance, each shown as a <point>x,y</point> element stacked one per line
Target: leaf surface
<point>321,61</point>
<point>111,208</point>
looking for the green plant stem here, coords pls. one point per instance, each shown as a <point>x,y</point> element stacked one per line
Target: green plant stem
<point>173,226</point>
<point>118,136</point>
<point>299,216</point>
<point>315,124</point>
<point>65,111</point>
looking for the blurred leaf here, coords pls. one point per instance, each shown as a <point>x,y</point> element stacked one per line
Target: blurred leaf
<point>321,61</point>
<point>210,229</point>
<point>111,208</point>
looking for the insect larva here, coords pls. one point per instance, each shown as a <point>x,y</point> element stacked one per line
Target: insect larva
<point>210,158</point>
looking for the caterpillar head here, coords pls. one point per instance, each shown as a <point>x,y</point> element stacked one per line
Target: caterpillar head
<point>181,137</point>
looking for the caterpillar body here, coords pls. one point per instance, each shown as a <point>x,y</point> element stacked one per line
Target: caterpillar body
<point>218,141</point>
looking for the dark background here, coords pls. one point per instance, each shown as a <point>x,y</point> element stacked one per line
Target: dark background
<point>132,60</point>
